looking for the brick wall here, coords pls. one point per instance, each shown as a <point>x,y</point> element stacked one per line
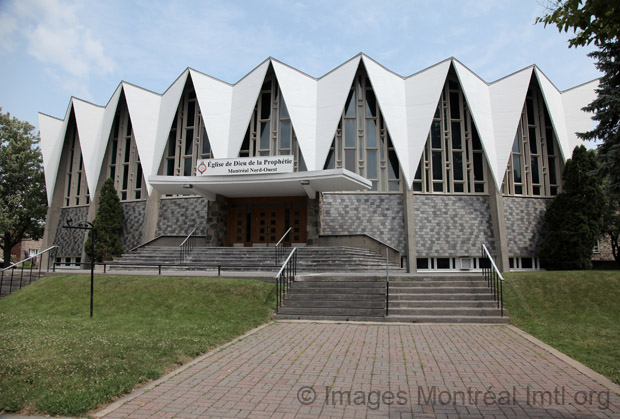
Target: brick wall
<point>452,225</point>
<point>71,242</point>
<point>524,224</point>
<point>178,216</point>
<point>133,223</point>
<point>378,215</point>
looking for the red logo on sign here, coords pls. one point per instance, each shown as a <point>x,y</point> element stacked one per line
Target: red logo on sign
<point>202,167</point>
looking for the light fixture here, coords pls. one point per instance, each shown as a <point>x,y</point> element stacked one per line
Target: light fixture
<point>305,182</point>
<point>187,186</point>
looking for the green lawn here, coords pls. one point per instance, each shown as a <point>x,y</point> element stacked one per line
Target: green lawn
<point>576,312</point>
<point>54,359</point>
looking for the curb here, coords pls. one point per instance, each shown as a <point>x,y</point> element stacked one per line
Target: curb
<point>588,372</point>
<point>141,390</point>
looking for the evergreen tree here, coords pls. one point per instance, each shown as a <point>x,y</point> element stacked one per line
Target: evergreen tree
<point>611,222</point>
<point>108,224</point>
<point>598,22</point>
<point>574,219</point>
<point>23,201</point>
<point>606,108</point>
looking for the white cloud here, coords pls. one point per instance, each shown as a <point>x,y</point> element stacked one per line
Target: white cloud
<point>53,33</point>
<point>8,26</point>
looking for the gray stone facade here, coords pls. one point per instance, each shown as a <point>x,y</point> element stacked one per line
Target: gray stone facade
<point>452,225</point>
<point>133,224</point>
<point>524,224</point>
<point>217,216</point>
<point>177,216</point>
<point>378,215</point>
<point>312,224</point>
<point>70,242</point>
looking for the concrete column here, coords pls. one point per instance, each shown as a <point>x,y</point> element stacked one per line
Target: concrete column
<point>410,233</point>
<point>151,216</point>
<point>51,226</point>
<point>496,203</point>
<point>312,223</point>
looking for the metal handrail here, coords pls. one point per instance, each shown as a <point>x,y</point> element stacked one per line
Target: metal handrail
<point>285,277</point>
<point>387,280</point>
<point>187,245</point>
<point>279,250</point>
<point>22,262</point>
<point>494,278</point>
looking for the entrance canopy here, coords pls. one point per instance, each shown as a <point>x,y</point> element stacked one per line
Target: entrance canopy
<point>261,185</point>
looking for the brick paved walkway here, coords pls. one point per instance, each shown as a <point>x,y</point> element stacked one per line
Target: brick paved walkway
<point>390,371</point>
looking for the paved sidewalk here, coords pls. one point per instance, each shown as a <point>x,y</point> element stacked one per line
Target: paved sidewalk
<point>305,370</point>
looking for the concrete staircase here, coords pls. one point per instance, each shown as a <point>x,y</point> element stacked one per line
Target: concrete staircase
<point>412,299</point>
<point>335,297</point>
<point>309,259</point>
<point>459,298</point>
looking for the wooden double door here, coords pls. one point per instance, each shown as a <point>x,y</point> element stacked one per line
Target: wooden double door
<point>263,221</point>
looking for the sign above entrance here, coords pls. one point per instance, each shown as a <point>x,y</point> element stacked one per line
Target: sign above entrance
<point>245,166</point>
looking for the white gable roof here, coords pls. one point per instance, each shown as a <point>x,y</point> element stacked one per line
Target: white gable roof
<point>315,107</point>
<point>51,147</point>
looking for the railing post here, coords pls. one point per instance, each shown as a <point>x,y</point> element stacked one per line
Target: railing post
<point>387,281</point>
<point>501,293</point>
<point>11,284</point>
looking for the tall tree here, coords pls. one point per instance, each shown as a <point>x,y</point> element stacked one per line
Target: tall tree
<point>611,224</point>
<point>597,21</point>
<point>23,202</point>
<point>108,224</point>
<point>574,219</point>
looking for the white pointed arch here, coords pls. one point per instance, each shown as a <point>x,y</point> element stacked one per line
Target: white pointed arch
<point>507,100</point>
<point>553,101</point>
<point>389,89</point>
<point>315,106</point>
<point>227,109</point>
<point>215,101</point>
<point>423,91</point>
<point>88,119</point>
<point>332,92</point>
<point>104,135</point>
<point>577,120</point>
<point>51,148</point>
<point>478,97</point>
<point>143,107</point>
<point>300,93</point>
<point>245,95</point>
<point>167,110</point>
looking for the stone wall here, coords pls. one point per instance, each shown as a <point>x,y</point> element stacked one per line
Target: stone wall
<point>452,225</point>
<point>177,216</point>
<point>217,217</point>
<point>378,215</point>
<point>71,242</point>
<point>133,224</point>
<point>524,224</point>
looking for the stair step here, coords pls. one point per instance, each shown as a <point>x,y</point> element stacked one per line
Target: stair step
<point>442,303</point>
<point>447,319</point>
<point>440,296</point>
<point>444,311</point>
<point>330,311</point>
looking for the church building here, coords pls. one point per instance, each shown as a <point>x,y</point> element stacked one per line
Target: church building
<point>431,165</point>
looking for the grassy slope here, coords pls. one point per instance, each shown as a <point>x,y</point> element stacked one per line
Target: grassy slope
<point>576,312</point>
<point>54,359</point>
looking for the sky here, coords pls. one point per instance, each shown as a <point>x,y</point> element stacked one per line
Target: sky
<point>51,50</point>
